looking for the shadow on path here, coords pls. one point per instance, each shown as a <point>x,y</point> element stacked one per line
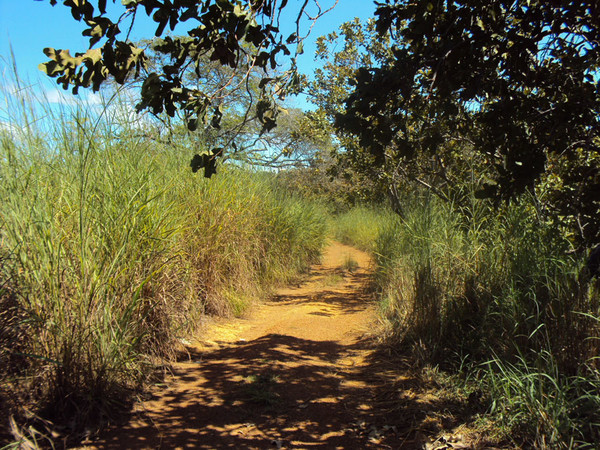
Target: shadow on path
<point>305,378</point>
<point>275,390</point>
<point>283,392</point>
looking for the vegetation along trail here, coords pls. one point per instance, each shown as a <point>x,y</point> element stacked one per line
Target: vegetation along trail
<point>298,373</point>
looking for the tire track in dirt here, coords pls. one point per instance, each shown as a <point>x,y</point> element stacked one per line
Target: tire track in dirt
<point>298,373</point>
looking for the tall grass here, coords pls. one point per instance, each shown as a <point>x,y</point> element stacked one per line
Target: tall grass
<point>111,250</point>
<point>538,404</point>
<point>361,226</point>
<point>493,292</point>
<point>495,286</point>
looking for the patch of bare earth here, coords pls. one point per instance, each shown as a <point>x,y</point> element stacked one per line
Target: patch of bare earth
<point>299,372</point>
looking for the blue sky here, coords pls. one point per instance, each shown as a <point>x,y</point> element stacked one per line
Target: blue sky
<point>29,26</point>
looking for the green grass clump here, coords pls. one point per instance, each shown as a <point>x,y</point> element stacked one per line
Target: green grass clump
<point>533,402</point>
<point>111,250</point>
<point>350,264</point>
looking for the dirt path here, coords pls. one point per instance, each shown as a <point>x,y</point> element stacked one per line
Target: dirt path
<point>298,373</point>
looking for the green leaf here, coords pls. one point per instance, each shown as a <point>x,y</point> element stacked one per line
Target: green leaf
<point>206,162</point>
<point>192,124</point>
<point>291,38</point>
<point>216,119</point>
<point>197,163</point>
<point>264,81</point>
<point>225,5</point>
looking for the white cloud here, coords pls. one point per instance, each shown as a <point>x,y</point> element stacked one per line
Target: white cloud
<point>93,98</point>
<point>60,97</point>
<point>7,126</point>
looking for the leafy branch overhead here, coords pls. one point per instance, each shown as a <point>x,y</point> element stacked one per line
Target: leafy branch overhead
<point>526,71</point>
<point>241,34</point>
<point>516,80</point>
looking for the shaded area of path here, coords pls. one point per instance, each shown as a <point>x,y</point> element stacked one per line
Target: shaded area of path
<point>298,373</point>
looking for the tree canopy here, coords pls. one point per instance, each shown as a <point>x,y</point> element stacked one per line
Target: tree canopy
<point>518,80</point>
<point>433,154</point>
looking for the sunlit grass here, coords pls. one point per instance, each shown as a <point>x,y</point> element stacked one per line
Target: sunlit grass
<point>112,250</point>
<point>350,264</point>
<point>361,226</point>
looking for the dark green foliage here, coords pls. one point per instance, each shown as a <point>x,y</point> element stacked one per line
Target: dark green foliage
<point>517,80</point>
<point>206,162</point>
<point>448,165</point>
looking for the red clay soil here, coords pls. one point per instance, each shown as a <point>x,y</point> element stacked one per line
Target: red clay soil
<point>299,372</point>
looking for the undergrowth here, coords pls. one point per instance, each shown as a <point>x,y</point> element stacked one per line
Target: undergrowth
<point>494,296</point>
<point>494,291</point>
<point>361,226</point>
